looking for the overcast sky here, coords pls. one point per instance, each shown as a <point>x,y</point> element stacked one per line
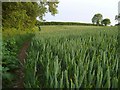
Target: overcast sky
<point>84,10</point>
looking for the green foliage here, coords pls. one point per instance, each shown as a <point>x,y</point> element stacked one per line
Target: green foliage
<point>52,7</point>
<point>22,15</point>
<point>19,15</point>
<point>73,57</point>
<point>106,21</point>
<point>97,18</point>
<point>10,62</point>
<point>38,23</point>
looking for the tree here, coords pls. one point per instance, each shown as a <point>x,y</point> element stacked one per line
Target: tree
<point>23,15</point>
<point>106,21</point>
<point>97,18</point>
<point>117,18</point>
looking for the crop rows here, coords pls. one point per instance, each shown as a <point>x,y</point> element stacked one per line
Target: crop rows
<point>81,61</point>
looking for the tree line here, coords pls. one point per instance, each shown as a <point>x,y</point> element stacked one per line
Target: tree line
<point>63,23</point>
<point>98,20</point>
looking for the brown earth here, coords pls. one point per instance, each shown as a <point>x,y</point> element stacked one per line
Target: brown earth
<point>19,82</point>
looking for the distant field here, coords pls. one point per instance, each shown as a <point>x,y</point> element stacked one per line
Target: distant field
<point>73,57</point>
<point>64,30</point>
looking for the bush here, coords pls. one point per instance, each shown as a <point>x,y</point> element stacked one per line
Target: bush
<point>63,23</point>
<point>10,49</point>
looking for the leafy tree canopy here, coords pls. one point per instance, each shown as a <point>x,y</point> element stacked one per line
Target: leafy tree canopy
<point>23,15</point>
<point>106,21</point>
<point>97,18</point>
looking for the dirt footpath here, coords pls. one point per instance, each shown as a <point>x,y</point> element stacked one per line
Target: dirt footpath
<point>19,82</point>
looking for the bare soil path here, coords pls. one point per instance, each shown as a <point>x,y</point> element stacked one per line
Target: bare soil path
<point>19,82</point>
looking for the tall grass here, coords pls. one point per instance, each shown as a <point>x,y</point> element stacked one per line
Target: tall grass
<point>77,57</point>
